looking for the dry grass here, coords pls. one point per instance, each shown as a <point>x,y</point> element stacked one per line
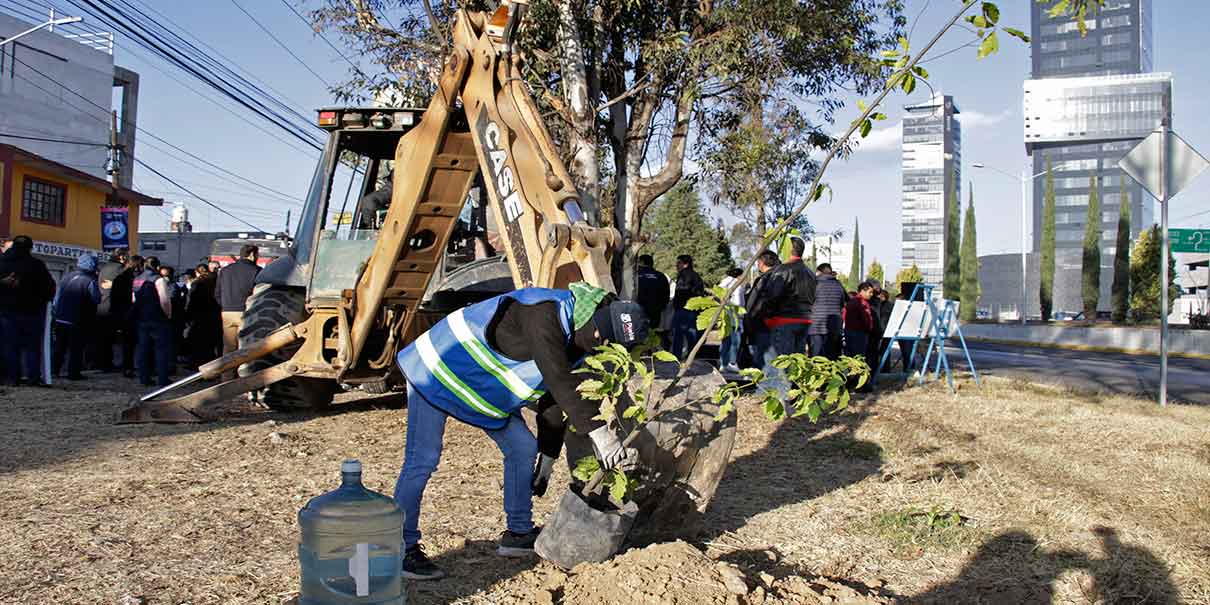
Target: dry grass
<point>1074,498</point>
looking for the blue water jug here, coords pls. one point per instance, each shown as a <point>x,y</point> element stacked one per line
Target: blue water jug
<point>349,545</point>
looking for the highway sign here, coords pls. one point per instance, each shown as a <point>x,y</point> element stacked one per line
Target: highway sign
<point>1190,240</point>
<point>1163,163</point>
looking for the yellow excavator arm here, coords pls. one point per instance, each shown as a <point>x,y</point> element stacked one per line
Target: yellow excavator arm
<point>482,119</point>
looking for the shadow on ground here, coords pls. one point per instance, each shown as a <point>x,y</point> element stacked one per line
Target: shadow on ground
<point>1013,568</point>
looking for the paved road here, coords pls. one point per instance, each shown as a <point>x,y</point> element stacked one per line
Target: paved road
<point>1188,379</point>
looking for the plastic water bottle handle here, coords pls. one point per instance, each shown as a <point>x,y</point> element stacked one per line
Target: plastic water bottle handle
<point>359,569</point>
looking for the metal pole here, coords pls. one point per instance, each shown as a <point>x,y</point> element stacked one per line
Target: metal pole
<point>1164,268</point>
<point>1026,184</point>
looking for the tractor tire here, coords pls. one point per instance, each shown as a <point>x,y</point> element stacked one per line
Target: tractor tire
<point>269,308</point>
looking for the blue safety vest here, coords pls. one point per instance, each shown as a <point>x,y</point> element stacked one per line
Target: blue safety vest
<point>454,368</point>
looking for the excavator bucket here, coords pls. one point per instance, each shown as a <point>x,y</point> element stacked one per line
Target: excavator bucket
<point>191,407</point>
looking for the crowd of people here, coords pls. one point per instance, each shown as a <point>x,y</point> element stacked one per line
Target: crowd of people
<point>128,313</point>
<point>789,307</point>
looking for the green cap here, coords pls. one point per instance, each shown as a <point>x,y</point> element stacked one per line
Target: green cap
<point>587,298</point>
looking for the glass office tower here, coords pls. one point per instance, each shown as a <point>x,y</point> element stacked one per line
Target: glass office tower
<point>932,161</point>
<point>1090,101</point>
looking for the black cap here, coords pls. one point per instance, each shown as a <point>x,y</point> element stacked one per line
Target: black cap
<point>621,321</point>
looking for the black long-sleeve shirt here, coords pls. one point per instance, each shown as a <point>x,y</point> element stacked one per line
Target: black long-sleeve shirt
<point>534,333</point>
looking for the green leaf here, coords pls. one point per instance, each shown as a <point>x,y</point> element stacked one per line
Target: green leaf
<point>701,303</point>
<point>909,83</point>
<point>1059,8</point>
<point>990,45</point>
<point>753,374</point>
<point>594,363</point>
<point>606,411</point>
<point>866,126</point>
<point>773,407</point>
<point>904,44</point>
<point>814,411</point>
<point>586,467</point>
<point>878,115</point>
<point>1016,33</point>
<point>921,71</point>
<point>861,105</point>
<point>978,21</point>
<point>619,485</point>
<point>664,356</point>
<point>991,13</point>
<point>889,54</point>
<point>590,386</point>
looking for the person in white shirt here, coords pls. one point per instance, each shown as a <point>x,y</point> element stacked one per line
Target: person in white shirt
<point>728,355</point>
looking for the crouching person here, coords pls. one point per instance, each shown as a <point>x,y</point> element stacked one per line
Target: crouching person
<point>481,365</point>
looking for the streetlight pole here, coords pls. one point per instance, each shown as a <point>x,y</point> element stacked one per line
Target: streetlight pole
<point>51,23</point>
<point>1026,180</point>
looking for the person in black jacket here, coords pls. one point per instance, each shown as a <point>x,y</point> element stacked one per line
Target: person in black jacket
<point>651,289</point>
<point>205,317</point>
<point>122,309</point>
<point>110,312</point>
<point>684,322</point>
<point>826,329</point>
<point>234,286</point>
<point>25,288</point>
<point>785,309</point>
<point>755,332</point>
<point>75,311</point>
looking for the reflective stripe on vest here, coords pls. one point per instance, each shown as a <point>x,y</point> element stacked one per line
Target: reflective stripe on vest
<point>453,367</point>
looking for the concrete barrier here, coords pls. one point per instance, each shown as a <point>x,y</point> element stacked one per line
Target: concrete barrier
<point>1144,340</point>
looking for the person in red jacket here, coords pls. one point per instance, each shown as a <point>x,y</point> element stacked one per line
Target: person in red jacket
<point>859,325</point>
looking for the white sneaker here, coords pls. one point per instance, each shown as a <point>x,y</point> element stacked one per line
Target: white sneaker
<point>731,369</point>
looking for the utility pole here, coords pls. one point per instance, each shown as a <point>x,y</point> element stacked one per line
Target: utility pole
<point>51,24</point>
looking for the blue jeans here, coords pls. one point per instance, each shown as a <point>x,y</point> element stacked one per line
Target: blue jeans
<point>23,332</point>
<point>156,349</point>
<point>684,332</point>
<point>856,343</point>
<point>783,340</point>
<point>422,452</point>
<point>728,352</point>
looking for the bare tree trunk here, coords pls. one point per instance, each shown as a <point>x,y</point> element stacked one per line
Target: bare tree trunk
<point>580,100</point>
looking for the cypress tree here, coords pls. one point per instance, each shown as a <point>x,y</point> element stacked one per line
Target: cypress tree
<point>970,264</point>
<point>951,285</point>
<point>813,261</point>
<point>855,263</point>
<point>1047,268</point>
<point>1120,291</point>
<point>1091,266</point>
<point>1145,276</point>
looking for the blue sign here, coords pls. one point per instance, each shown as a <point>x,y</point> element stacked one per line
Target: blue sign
<point>115,230</point>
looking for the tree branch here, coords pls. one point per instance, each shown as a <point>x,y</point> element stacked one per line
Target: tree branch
<point>674,163</point>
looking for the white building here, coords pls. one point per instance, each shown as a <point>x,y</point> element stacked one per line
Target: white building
<point>837,252</point>
<point>932,172</point>
<point>59,84</point>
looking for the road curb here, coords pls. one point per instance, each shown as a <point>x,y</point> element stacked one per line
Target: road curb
<point>1075,347</point>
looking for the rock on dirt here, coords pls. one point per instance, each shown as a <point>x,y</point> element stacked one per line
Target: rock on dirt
<point>677,573</point>
<point>277,438</point>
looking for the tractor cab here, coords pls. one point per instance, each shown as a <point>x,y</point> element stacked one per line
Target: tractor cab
<point>348,199</point>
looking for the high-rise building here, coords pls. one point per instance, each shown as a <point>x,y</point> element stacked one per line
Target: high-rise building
<point>932,172</point>
<point>1090,101</point>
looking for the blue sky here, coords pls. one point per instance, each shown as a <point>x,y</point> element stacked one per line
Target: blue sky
<point>866,185</point>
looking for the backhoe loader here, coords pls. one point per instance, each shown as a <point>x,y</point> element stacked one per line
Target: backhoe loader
<point>354,291</point>
<point>351,293</point>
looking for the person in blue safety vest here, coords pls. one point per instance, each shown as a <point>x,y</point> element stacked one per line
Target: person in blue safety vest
<point>481,365</point>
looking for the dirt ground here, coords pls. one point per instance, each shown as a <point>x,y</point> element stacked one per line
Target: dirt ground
<point>1005,493</point>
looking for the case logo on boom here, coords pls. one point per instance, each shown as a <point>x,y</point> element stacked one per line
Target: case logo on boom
<point>502,174</point>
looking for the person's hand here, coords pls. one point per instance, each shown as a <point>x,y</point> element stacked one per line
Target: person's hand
<point>607,448</point>
<point>542,469</point>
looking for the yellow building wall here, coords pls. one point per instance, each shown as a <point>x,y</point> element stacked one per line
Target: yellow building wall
<point>82,213</point>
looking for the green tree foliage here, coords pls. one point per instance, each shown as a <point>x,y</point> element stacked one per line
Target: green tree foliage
<point>970,265</point>
<point>1145,276</point>
<point>1091,266</point>
<point>1120,290</point>
<point>1047,268</point>
<point>855,264</point>
<point>875,271</point>
<point>679,225</point>
<point>952,281</point>
<point>911,275</point>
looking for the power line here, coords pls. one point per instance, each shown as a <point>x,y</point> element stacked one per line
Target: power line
<point>47,140</point>
<point>142,130</point>
<point>199,65</point>
<point>200,198</point>
<point>281,44</point>
<point>321,36</point>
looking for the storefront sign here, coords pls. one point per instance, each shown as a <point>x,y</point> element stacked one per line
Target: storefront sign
<point>63,250</point>
<point>115,231</point>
